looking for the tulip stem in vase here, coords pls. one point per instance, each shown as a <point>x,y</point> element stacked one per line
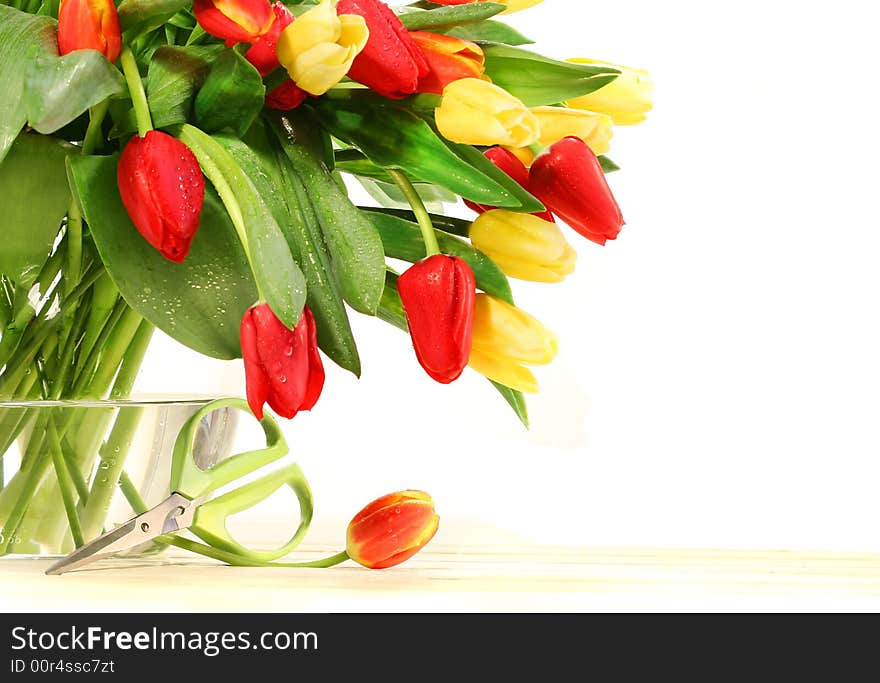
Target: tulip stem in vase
<point>421,212</point>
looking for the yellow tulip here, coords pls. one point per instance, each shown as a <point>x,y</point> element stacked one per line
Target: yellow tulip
<point>627,99</point>
<point>524,246</point>
<point>557,123</point>
<point>505,340</point>
<point>476,112</point>
<point>318,48</point>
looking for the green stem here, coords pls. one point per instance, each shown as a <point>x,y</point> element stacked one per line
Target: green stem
<point>79,482</point>
<point>96,121</point>
<point>115,450</point>
<point>113,454</point>
<point>239,561</point>
<point>136,89</point>
<point>82,379</point>
<point>74,246</point>
<point>65,485</point>
<point>74,214</point>
<point>418,206</point>
<point>132,361</point>
<point>132,495</point>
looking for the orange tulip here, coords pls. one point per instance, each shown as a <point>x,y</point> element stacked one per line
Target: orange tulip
<point>89,25</point>
<point>449,59</point>
<point>235,21</point>
<point>392,529</point>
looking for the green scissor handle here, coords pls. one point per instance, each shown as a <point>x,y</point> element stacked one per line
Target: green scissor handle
<point>209,522</point>
<point>210,519</point>
<point>193,482</point>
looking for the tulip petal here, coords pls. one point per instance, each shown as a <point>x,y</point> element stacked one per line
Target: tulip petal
<point>438,299</point>
<point>504,371</point>
<point>256,380</point>
<point>569,180</point>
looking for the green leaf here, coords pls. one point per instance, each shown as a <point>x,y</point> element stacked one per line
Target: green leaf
<point>269,169</point>
<point>23,38</point>
<point>200,302</point>
<point>420,20</point>
<point>35,198</point>
<point>355,246</point>
<point>490,31</point>
<point>139,16</point>
<point>390,196</point>
<point>175,75</point>
<point>539,80</point>
<point>391,311</point>
<point>450,224</point>
<point>278,277</point>
<point>408,142</point>
<point>607,164</point>
<point>232,95</point>
<point>59,89</point>
<point>403,240</point>
<point>516,400</point>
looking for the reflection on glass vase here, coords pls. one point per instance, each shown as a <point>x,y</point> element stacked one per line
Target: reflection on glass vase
<point>71,470</point>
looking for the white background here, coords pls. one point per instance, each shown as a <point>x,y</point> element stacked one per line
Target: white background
<point>717,384</point>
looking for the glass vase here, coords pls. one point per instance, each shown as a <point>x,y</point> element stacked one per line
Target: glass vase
<point>72,470</point>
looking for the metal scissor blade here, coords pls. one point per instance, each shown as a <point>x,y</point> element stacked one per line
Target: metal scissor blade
<point>109,544</point>
<point>172,514</point>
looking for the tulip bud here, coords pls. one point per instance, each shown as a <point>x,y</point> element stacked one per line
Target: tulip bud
<point>319,48</point>
<point>507,338</point>
<point>476,112</point>
<point>438,298</point>
<point>449,59</point>
<point>508,162</point>
<point>390,64</point>
<point>282,367</point>
<point>235,21</point>
<point>626,99</point>
<point>89,25</point>
<point>286,96</point>
<point>569,180</point>
<point>557,123</point>
<point>392,529</point>
<point>162,187</point>
<point>524,246</point>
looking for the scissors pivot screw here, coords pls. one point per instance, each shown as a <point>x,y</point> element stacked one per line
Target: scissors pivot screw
<point>145,527</point>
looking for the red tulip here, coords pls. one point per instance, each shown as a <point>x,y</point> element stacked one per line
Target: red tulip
<point>235,21</point>
<point>516,169</point>
<point>449,59</point>
<point>391,64</point>
<point>162,187</point>
<point>262,51</point>
<point>282,367</point>
<point>569,180</point>
<point>89,25</point>
<point>286,96</point>
<point>438,298</point>
<point>392,529</point>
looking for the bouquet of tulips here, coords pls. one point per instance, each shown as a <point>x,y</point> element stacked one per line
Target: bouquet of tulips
<point>182,165</point>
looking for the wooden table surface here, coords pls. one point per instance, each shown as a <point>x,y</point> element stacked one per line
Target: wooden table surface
<point>461,579</point>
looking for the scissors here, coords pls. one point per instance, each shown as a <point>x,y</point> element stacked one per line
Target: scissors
<point>190,506</point>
